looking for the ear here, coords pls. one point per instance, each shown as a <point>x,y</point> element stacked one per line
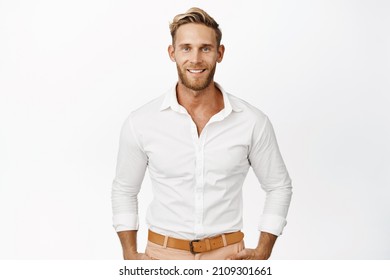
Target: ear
<point>221,51</point>
<point>171,53</point>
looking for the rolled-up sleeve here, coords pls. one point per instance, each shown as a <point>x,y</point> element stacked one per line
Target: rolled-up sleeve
<point>268,165</point>
<point>130,171</point>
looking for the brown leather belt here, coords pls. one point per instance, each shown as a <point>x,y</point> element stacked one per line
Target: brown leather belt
<point>196,246</point>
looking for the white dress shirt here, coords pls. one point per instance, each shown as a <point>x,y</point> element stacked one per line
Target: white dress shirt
<point>197,180</point>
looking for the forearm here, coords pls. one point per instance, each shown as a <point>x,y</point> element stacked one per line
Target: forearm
<point>129,243</point>
<point>124,203</point>
<point>266,244</point>
<point>273,220</point>
<point>278,200</point>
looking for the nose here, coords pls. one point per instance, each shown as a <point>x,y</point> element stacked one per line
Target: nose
<point>196,56</point>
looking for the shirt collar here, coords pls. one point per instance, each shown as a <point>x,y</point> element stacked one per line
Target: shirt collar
<point>170,100</point>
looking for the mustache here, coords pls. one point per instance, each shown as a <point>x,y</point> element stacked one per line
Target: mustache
<point>197,65</point>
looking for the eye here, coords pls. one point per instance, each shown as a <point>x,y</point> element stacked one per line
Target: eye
<point>206,49</point>
<point>186,49</point>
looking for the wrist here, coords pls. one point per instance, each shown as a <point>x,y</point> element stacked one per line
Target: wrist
<point>262,252</point>
<point>130,255</point>
<point>130,252</point>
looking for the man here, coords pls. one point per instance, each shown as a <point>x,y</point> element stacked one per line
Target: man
<point>198,143</point>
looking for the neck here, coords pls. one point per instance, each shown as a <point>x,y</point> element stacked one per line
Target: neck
<point>193,100</point>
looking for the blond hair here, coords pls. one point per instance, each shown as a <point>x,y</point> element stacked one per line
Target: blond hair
<point>195,15</point>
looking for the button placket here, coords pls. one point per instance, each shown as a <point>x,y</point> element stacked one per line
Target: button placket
<point>199,192</point>
<point>199,143</point>
<point>199,189</point>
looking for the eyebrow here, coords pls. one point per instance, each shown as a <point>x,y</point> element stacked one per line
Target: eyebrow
<point>202,45</point>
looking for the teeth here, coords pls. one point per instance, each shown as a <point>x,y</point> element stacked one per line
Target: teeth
<point>195,70</point>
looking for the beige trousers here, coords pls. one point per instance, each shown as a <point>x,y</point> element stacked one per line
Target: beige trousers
<point>159,252</point>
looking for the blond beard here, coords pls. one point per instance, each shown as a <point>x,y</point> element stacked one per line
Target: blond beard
<point>198,85</point>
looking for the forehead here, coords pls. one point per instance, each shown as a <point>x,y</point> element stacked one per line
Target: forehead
<point>195,34</point>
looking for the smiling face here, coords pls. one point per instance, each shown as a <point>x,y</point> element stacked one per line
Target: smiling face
<point>196,54</point>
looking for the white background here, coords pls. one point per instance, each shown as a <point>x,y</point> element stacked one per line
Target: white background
<point>71,71</point>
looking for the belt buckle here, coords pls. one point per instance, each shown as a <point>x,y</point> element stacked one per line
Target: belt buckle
<point>192,246</point>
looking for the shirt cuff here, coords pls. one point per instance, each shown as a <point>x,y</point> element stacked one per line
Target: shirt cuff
<point>122,222</point>
<point>272,224</point>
